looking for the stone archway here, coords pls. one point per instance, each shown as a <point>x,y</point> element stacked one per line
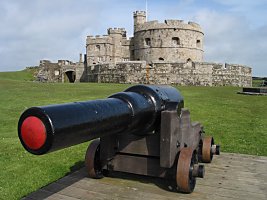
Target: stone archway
<point>70,76</point>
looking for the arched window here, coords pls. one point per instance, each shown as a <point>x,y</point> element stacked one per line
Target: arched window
<point>198,43</point>
<point>97,47</point>
<point>148,41</point>
<point>175,41</point>
<point>162,59</point>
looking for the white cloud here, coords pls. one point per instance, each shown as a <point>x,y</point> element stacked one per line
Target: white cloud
<point>34,30</point>
<point>229,38</point>
<point>242,4</point>
<point>235,31</point>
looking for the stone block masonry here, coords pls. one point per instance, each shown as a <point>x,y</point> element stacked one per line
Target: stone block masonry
<point>169,52</point>
<point>190,73</point>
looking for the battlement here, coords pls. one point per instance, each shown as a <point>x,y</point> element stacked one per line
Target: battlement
<point>98,39</point>
<point>173,22</point>
<point>121,31</point>
<point>194,24</point>
<point>64,62</point>
<point>44,62</point>
<point>139,13</point>
<point>153,22</point>
<point>173,49</point>
<point>105,38</point>
<point>167,24</point>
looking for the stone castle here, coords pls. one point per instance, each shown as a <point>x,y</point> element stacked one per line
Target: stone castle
<point>158,53</point>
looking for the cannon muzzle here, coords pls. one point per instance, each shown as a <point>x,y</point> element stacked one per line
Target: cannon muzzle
<point>136,110</point>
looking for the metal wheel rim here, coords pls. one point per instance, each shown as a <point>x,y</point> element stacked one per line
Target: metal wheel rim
<point>184,179</point>
<point>92,159</point>
<point>206,149</point>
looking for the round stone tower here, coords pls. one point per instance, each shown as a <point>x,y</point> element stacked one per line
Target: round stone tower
<point>171,41</point>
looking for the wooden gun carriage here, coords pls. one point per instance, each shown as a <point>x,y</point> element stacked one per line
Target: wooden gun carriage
<point>144,130</point>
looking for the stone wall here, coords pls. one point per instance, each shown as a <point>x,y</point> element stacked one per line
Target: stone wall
<point>170,52</point>
<point>49,72</point>
<point>171,41</point>
<point>123,72</point>
<point>189,73</point>
<point>113,47</point>
<point>62,71</point>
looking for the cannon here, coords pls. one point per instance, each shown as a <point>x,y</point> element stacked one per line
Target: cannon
<point>143,130</point>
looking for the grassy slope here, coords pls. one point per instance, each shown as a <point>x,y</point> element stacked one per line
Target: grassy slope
<point>238,122</point>
<point>24,75</point>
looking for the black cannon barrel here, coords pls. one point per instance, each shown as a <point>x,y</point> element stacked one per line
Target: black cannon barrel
<point>136,110</point>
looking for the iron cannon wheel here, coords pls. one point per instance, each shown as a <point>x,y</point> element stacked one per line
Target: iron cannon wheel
<point>184,179</point>
<point>207,155</point>
<point>92,160</point>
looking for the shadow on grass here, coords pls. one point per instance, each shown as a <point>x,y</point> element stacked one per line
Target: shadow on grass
<point>77,166</point>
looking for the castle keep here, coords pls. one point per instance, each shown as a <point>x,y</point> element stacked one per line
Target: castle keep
<point>158,53</point>
<point>170,41</point>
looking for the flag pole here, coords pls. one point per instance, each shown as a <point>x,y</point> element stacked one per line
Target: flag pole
<point>146,12</point>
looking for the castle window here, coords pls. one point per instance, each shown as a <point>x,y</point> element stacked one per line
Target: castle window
<point>162,59</point>
<point>148,41</point>
<point>175,41</point>
<point>97,47</point>
<point>198,44</point>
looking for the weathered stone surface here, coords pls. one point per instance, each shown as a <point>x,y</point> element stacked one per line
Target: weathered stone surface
<point>62,71</point>
<point>171,41</point>
<point>159,53</point>
<point>191,73</point>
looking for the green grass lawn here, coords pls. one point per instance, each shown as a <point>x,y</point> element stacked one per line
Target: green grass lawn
<point>238,123</point>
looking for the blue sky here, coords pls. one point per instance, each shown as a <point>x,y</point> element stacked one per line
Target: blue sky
<point>31,30</point>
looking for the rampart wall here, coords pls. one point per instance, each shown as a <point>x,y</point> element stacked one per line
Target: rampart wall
<point>61,71</point>
<point>169,52</point>
<point>190,73</point>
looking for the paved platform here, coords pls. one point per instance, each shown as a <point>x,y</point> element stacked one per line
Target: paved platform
<point>229,176</point>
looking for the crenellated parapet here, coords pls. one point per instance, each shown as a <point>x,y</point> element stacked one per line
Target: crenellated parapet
<point>170,41</point>
<point>98,39</point>
<point>139,13</point>
<point>169,24</point>
<point>169,52</point>
<point>120,31</point>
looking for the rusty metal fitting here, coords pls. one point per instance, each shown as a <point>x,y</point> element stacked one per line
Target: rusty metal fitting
<point>215,149</point>
<point>198,171</point>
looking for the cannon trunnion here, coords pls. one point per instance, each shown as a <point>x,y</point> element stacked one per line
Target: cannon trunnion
<point>144,130</point>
